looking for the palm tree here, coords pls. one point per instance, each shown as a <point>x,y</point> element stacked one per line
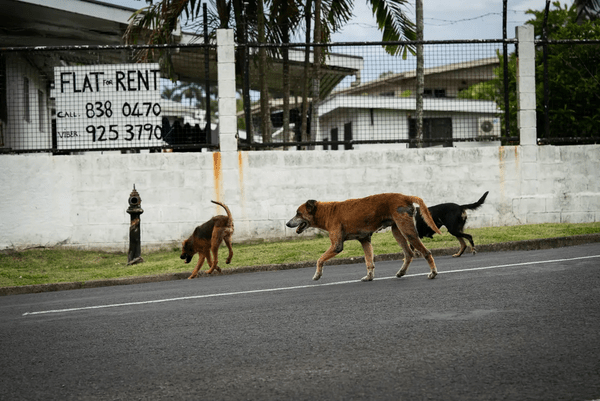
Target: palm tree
<point>588,9</point>
<point>285,17</point>
<point>265,112</point>
<point>186,90</point>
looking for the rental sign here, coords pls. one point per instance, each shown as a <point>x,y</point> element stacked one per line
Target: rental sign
<point>108,106</point>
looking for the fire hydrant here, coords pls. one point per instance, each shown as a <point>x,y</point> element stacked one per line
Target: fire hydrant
<point>135,243</point>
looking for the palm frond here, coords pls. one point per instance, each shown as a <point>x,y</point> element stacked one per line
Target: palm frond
<point>394,24</point>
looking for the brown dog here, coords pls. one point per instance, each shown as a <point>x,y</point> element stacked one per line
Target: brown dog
<point>207,238</point>
<point>359,218</point>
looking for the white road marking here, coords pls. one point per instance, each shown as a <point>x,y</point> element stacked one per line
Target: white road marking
<point>296,287</point>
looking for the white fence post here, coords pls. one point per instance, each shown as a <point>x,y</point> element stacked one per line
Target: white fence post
<point>226,81</point>
<point>526,99</point>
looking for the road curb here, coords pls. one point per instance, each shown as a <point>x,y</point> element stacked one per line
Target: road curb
<point>529,245</point>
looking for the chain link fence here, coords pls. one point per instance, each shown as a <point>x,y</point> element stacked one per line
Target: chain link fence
<point>76,99</point>
<point>365,97</point>
<point>568,96</point>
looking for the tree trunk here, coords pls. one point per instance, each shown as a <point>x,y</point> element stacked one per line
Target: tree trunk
<point>420,74</point>
<point>241,63</point>
<point>287,137</point>
<point>316,67</point>
<point>265,112</point>
<point>306,78</point>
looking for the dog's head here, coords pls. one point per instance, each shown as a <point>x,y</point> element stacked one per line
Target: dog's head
<point>304,217</point>
<point>187,251</point>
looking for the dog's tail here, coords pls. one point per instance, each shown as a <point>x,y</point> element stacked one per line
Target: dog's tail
<point>226,209</point>
<point>424,211</point>
<point>475,205</point>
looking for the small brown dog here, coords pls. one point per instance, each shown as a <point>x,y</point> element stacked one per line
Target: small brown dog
<point>207,238</point>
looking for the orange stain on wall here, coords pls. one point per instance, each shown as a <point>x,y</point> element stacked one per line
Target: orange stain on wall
<point>218,175</point>
<point>241,171</point>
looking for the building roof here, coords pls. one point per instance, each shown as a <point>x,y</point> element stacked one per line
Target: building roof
<point>393,79</point>
<point>61,23</point>
<point>399,103</point>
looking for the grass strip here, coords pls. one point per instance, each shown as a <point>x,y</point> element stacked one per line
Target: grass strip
<point>58,265</point>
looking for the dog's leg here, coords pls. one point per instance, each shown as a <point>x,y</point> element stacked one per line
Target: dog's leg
<point>470,239</point>
<point>416,242</point>
<point>428,257</point>
<point>336,247</point>
<point>218,236</point>
<point>456,228</point>
<point>463,246</point>
<point>368,249</point>
<point>209,261</point>
<point>459,236</point>
<point>227,240</point>
<point>408,254</point>
<point>417,253</point>
<point>198,266</point>
<point>408,231</point>
<point>214,249</point>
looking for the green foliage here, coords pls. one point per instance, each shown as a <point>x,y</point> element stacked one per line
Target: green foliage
<point>43,266</point>
<point>480,91</point>
<point>494,90</point>
<point>573,74</point>
<point>394,25</point>
<point>512,93</point>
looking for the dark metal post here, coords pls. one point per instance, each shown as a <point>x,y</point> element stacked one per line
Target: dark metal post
<point>246,75</point>
<point>135,243</point>
<point>505,68</point>
<point>546,84</point>
<point>208,128</point>
<point>420,74</point>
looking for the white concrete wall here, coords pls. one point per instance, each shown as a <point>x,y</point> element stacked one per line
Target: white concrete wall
<point>81,201</point>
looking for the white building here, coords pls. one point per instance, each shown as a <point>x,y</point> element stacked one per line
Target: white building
<point>384,109</point>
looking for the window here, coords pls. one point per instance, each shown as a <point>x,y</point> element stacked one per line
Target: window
<point>26,110</point>
<point>436,131</point>
<point>434,92</point>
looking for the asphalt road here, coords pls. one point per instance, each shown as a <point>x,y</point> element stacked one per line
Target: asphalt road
<point>502,325</point>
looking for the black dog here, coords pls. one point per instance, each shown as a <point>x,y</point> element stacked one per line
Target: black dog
<point>452,216</point>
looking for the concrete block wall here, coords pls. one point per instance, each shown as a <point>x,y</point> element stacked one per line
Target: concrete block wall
<point>81,201</point>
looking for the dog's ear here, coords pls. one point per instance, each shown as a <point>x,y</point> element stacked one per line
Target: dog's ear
<point>311,206</point>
